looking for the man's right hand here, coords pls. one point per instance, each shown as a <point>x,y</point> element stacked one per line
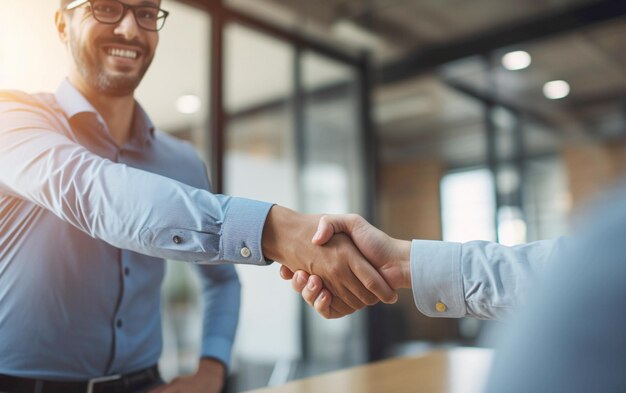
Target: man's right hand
<point>388,255</point>
<point>347,275</point>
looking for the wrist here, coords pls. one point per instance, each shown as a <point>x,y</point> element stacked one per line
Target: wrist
<point>277,218</point>
<point>403,262</point>
<point>212,367</point>
<point>282,230</point>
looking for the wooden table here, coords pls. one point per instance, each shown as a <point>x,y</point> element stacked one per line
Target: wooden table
<point>462,370</point>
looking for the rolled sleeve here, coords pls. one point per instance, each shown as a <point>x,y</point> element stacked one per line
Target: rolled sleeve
<point>436,278</point>
<point>242,231</point>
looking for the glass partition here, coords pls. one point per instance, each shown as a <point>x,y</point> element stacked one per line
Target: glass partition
<point>331,181</point>
<point>260,163</point>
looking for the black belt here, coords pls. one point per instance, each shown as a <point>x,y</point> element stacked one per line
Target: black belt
<point>109,384</point>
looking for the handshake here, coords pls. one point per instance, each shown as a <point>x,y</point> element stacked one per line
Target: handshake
<point>340,263</point>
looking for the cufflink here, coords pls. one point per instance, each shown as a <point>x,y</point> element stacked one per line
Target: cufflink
<point>441,307</point>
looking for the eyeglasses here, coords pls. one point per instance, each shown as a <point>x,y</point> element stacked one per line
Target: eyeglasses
<point>110,12</point>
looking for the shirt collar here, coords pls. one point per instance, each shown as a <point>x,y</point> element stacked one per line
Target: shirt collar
<point>72,102</point>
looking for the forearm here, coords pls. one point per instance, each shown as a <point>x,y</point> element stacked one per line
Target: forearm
<point>166,219</point>
<point>126,207</point>
<point>477,279</point>
<point>496,278</point>
<point>221,298</point>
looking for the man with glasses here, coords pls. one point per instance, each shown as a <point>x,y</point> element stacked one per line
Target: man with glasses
<point>93,198</point>
<point>148,16</point>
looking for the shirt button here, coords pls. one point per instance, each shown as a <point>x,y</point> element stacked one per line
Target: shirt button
<point>441,307</point>
<point>119,324</point>
<point>245,252</point>
<point>126,271</point>
<point>177,239</point>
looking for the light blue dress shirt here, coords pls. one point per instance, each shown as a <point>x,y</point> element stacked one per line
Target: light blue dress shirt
<point>84,228</point>
<point>477,279</point>
<point>572,335</point>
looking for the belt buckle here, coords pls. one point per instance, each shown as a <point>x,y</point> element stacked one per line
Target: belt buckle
<point>94,381</point>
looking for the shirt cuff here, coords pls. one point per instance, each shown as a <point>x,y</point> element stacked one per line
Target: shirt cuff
<point>242,232</point>
<point>218,348</point>
<point>436,278</point>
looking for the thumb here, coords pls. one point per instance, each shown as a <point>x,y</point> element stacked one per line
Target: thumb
<point>325,231</point>
<point>331,224</point>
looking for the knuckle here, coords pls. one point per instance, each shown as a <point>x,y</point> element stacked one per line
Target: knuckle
<point>338,305</point>
<point>362,301</point>
<point>356,305</point>
<point>295,286</point>
<point>370,284</point>
<point>321,310</point>
<point>356,219</point>
<point>335,270</point>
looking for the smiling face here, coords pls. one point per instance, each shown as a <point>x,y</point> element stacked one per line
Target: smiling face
<point>107,59</point>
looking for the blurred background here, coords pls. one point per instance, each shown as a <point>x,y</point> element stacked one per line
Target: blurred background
<point>435,119</point>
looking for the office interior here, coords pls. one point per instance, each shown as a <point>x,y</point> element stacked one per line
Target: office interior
<point>453,120</point>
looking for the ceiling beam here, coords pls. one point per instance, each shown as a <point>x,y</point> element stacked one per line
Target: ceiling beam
<point>488,98</point>
<point>608,97</point>
<point>427,58</point>
<point>228,14</point>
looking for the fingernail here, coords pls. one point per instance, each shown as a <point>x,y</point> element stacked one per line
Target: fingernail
<point>299,278</point>
<point>311,285</point>
<point>316,236</point>
<point>323,296</point>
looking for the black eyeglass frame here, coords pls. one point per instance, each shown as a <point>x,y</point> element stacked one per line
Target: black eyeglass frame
<point>161,14</point>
